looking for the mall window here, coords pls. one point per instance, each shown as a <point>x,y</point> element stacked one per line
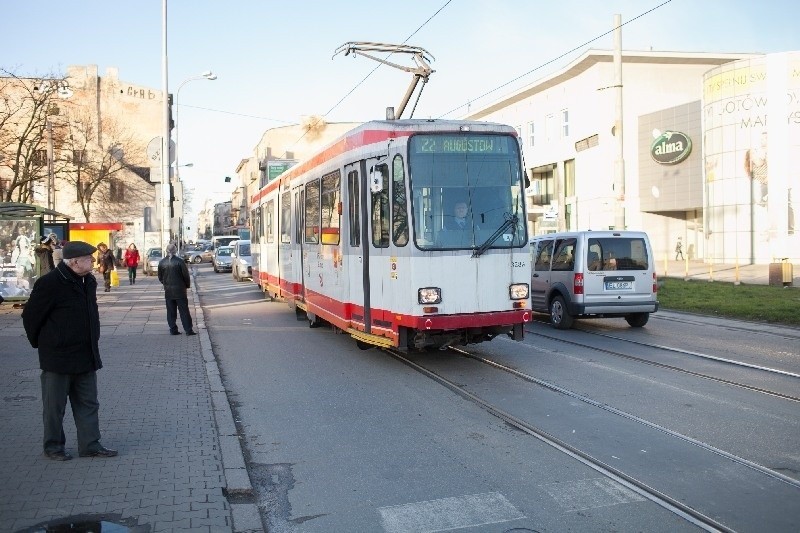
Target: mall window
<point>569,178</point>
<point>543,185</point>
<point>564,123</point>
<point>531,134</point>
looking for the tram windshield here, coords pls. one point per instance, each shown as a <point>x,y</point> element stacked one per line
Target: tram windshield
<point>467,191</point>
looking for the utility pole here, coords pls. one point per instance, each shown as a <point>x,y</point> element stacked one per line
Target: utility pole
<point>619,163</point>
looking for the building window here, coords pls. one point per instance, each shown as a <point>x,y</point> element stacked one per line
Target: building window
<point>564,123</point>
<point>569,177</point>
<point>543,185</point>
<point>549,125</point>
<point>40,157</point>
<point>77,157</point>
<point>531,134</point>
<point>116,191</point>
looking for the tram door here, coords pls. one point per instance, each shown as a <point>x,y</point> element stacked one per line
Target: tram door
<point>298,248</point>
<point>355,255</point>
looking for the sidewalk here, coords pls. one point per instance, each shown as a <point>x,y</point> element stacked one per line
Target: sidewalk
<point>162,405</point>
<point>698,270</point>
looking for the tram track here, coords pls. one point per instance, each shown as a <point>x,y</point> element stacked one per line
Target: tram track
<point>680,351</point>
<point>652,494</point>
<point>632,482</point>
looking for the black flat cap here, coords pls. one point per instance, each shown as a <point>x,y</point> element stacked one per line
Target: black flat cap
<point>77,249</point>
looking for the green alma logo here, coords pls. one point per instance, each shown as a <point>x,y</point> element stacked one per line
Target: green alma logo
<point>671,147</point>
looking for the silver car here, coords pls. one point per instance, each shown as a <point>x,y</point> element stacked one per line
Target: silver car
<point>199,254</point>
<point>242,266</point>
<point>222,260</point>
<point>151,260</point>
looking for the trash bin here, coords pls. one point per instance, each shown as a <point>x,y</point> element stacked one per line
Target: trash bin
<point>781,274</point>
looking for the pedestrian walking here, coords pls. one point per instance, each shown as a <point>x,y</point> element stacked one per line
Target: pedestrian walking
<point>105,264</point>
<point>679,249</point>
<point>131,261</point>
<point>62,321</point>
<point>174,276</point>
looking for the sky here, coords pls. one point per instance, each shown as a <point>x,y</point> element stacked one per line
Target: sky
<point>275,62</point>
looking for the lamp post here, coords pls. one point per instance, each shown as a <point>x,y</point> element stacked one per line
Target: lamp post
<point>207,75</point>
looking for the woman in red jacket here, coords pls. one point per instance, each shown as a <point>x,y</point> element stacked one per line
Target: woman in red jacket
<point>131,261</point>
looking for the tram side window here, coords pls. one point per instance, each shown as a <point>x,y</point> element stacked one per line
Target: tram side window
<point>286,218</point>
<point>331,194</point>
<point>399,203</point>
<point>380,210</point>
<point>543,256</point>
<point>312,214</point>
<point>266,215</point>
<point>255,225</point>
<point>353,208</point>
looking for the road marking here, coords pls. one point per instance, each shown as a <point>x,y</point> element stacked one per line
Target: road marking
<point>590,494</point>
<point>448,513</point>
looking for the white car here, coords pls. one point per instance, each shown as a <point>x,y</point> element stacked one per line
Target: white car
<point>151,260</point>
<point>242,267</point>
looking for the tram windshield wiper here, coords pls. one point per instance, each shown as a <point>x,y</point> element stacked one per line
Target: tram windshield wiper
<point>510,221</point>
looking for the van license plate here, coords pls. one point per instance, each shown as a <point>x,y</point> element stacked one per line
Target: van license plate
<point>618,285</point>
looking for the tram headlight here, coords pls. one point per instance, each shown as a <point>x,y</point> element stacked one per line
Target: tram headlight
<point>518,291</point>
<point>429,295</point>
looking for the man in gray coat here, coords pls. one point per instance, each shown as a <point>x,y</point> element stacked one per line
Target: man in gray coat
<point>174,276</point>
<point>62,321</point>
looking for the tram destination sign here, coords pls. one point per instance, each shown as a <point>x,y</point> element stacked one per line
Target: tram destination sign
<point>670,148</point>
<point>460,144</point>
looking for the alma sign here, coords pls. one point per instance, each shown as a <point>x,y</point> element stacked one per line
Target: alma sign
<point>671,147</point>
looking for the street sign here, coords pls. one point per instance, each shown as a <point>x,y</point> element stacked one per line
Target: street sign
<point>154,151</point>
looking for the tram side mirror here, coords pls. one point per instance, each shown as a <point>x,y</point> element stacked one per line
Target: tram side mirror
<point>375,181</point>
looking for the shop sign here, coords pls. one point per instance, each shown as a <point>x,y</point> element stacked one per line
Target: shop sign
<point>671,147</point>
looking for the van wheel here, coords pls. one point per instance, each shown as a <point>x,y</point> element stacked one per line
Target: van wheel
<point>559,317</point>
<point>637,320</point>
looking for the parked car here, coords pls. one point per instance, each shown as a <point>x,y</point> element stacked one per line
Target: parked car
<point>198,254</point>
<point>242,265</point>
<point>593,274</point>
<point>151,259</point>
<point>222,259</point>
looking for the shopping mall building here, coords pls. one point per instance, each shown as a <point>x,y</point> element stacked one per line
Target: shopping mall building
<point>702,147</point>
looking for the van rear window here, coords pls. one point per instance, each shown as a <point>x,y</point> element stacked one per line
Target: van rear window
<point>617,254</point>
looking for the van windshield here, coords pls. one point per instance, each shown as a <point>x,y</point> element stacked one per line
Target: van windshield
<point>617,254</point>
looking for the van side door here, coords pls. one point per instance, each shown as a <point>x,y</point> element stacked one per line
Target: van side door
<point>540,274</point>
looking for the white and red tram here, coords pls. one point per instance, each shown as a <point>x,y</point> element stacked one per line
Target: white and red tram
<point>362,235</point>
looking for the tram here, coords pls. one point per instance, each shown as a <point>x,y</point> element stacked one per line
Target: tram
<point>401,233</point>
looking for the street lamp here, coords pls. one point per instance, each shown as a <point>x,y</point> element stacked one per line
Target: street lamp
<point>207,75</point>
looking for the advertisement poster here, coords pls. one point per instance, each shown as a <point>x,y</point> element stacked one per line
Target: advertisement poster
<point>18,268</point>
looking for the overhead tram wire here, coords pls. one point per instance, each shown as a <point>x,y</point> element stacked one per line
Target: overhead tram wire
<point>237,114</point>
<point>554,59</point>
<point>357,85</point>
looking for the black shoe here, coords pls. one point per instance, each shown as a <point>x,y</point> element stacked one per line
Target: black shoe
<point>60,455</point>
<point>190,332</point>
<point>102,452</point>
<point>174,332</point>
<point>107,290</point>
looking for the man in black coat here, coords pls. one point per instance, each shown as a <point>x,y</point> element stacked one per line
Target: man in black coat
<point>174,276</point>
<point>61,319</point>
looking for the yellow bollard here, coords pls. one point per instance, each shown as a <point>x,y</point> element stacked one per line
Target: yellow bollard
<point>686,269</point>
<point>711,272</point>
<point>736,281</point>
<point>666,258</point>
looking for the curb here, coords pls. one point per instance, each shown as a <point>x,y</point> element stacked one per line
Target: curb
<point>246,517</point>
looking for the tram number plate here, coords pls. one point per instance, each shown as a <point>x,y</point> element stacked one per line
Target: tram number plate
<point>618,285</point>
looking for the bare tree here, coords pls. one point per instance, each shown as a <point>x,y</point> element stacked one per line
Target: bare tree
<point>25,105</point>
<point>106,168</point>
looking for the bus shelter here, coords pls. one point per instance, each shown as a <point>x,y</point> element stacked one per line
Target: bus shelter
<point>22,226</point>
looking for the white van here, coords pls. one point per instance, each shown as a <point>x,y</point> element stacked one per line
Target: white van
<point>593,274</point>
